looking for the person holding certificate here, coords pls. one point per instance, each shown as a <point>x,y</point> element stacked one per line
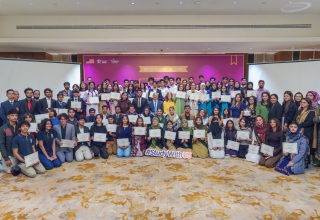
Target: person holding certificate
<point>124,103</point>
<point>200,145</point>
<point>29,118</point>
<point>114,101</point>
<point>76,103</point>
<point>111,135</point>
<point>23,145</point>
<point>236,109</point>
<point>91,92</point>
<point>124,130</point>
<point>244,142</point>
<point>161,118</point>
<point>250,111</point>
<point>274,138</point>
<point>216,151</point>
<point>53,116</point>
<point>131,111</point>
<point>230,135</point>
<point>99,141</point>
<point>202,104</point>
<point>139,142</point>
<point>174,118</point>
<point>180,102</point>
<point>169,102</point>
<point>82,150</point>
<point>192,103</point>
<point>184,144</point>
<point>291,163</point>
<point>102,100</point>
<point>154,143</point>
<point>47,145</point>
<point>168,143</point>
<point>214,101</point>
<point>223,105</point>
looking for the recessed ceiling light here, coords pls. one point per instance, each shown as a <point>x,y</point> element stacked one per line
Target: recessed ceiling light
<point>180,3</point>
<point>198,2</point>
<point>235,2</point>
<point>78,3</point>
<point>290,2</point>
<point>132,3</point>
<point>167,48</point>
<point>296,7</point>
<point>209,48</point>
<point>250,48</point>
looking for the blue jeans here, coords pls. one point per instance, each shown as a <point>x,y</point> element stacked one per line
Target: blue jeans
<point>48,164</point>
<point>124,152</point>
<point>65,155</point>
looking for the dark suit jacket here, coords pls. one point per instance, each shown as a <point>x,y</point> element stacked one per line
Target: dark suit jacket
<point>275,112</point>
<point>144,103</point>
<point>43,105</point>
<point>6,106</point>
<point>159,105</point>
<point>63,104</point>
<point>70,94</point>
<point>34,107</point>
<point>90,119</point>
<point>77,130</point>
<point>159,95</point>
<point>117,121</point>
<point>82,106</point>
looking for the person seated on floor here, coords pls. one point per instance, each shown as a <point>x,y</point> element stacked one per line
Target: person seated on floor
<point>82,150</point>
<point>23,145</point>
<point>230,135</point>
<point>124,130</point>
<point>111,143</point>
<point>99,144</point>
<point>200,145</point>
<point>168,143</point>
<point>184,144</point>
<point>154,143</point>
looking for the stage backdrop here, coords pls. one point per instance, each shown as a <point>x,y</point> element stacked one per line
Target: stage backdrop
<point>140,67</point>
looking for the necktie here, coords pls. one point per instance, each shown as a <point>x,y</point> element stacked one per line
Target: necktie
<point>155,107</point>
<point>29,104</point>
<point>11,103</point>
<point>76,100</point>
<point>139,103</point>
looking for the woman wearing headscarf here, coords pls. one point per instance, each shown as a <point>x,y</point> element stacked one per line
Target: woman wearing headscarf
<point>146,113</point>
<point>184,144</point>
<point>154,143</point>
<point>294,163</point>
<point>180,102</point>
<point>202,104</point>
<point>249,87</point>
<point>237,87</point>
<point>200,145</point>
<point>214,102</point>
<point>161,117</point>
<point>315,98</point>
<point>289,109</point>
<point>260,130</point>
<point>168,143</point>
<point>174,118</point>
<point>193,103</point>
<point>216,133</point>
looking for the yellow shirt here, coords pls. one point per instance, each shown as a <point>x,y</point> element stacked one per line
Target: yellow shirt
<point>166,106</point>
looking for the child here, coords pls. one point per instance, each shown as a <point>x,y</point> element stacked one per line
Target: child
<point>230,134</point>
<point>244,144</point>
<point>139,142</point>
<point>23,145</point>
<point>111,144</point>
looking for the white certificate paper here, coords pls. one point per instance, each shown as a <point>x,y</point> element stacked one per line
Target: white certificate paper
<point>105,122</point>
<point>131,99</point>
<point>33,127</point>
<point>247,112</point>
<point>181,95</point>
<point>234,93</point>
<point>233,145</point>
<point>133,118</point>
<point>190,123</point>
<point>123,142</point>
<point>184,134</point>
<point>62,110</point>
<point>204,97</point>
<point>65,99</point>
<point>88,124</point>
<point>75,104</point>
<point>226,120</point>
<point>99,137</point>
<point>225,98</point>
<point>67,143</point>
<point>139,130</point>
<point>146,120</point>
<point>115,95</point>
<point>266,149</point>
<point>94,100</point>
<point>217,143</point>
<point>83,137</point>
<point>243,134</point>
<point>40,117</point>
<point>291,148</point>
<point>194,96</point>
<point>199,133</point>
<point>105,96</point>
<point>154,133</point>
<point>111,127</point>
<point>215,95</point>
<point>31,159</point>
<point>161,125</point>
<point>251,93</point>
<point>170,135</point>
<point>254,149</point>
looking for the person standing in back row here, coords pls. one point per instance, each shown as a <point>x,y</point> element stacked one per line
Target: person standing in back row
<point>261,90</point>
<point>140,103</point>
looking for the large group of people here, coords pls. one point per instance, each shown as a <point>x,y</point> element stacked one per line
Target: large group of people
<point>224,119</point>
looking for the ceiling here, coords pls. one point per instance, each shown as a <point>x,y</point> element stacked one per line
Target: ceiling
<point>154,7</point>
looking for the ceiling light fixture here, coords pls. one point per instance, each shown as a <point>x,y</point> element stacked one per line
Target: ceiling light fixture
<point>250,48</point>
<point>78,3</point>
<point>296,7</point>
<point>209,48</point>
<point>235,2</point>
<point>180,3</point>
<point>132,3</point>
<point>198,2</point>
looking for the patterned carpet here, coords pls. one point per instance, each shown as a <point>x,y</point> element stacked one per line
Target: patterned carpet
<point>157,188</point>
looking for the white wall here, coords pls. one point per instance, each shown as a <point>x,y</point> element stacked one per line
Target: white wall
<point>20,74</point>
<point>293,76</point>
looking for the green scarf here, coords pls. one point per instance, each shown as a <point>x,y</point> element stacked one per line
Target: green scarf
<point>153,140</point>
<point>187,128</point>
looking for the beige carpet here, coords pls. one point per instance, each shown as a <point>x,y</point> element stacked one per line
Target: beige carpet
<point>157,188</point>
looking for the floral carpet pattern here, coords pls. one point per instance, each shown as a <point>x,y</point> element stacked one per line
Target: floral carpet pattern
<point>158,188</point>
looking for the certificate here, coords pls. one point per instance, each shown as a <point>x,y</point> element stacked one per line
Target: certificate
<point>291,148</point>
<point>233,145</point>
<point>204,97</point>
<point>115,95</point>
<point>247,112</point>
<point>88,124</point>
<point>190,123</point>
<point>199,133</point>
<point>62,110</point>
<point>144,95</point>
<point>251,93</point>
<point>170,135</point>
<point>217,143</point>
<point>161,125</point>
<point>75,104</point>
<point>111,127</point>
<point>234,93</point>
<point>31,159</point>
<point>33,127</point>
<point>181,95</point>
<point>184,134</point>
<point>151,94</point>
<point>243,134</point>
<point>94,100</point>
<point>173,89</point>
<point>123,142</point>
<point>226,120</point>
<point>154,133</point>
<point>99,137</point>
<point>139,130</point>
<point>253,149</point>
<point>266,149</point>
<point>65,99</point>
<point>131,99</point>
<point>67,143</point>
<point>40,117</point>
<point>133,118</point>
<point>146,120</point>
<point>215,95</point>
<point>194,96</point>
<point>225,98</point>
<point>83,137</point>
<point>105,96</point>
<point>105,121</point>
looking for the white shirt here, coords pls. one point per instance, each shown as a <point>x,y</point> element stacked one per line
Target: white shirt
<point>48,102</point>
<point>164,91</point>
<point>81,130</point>
<point>173,89</point>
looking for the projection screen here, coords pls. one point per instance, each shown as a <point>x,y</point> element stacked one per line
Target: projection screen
<point>19,74</point>
<point>300,76</point>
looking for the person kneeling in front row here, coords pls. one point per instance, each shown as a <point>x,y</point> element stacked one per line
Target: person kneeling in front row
<point>82,150</point>
<point>23,145</point>
<point>99,143</point>
<point>124,130</point>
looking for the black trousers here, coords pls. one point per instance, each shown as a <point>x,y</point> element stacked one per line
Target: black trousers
<point>102,150</point>
<point>243,149</point>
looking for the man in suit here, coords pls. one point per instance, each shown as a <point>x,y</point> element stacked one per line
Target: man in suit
<point>82,150</point>
<point>36,95</point>
<point>66,131</point>
<point>10,104</point>
<point>155,104</point>
<point>76,98</point>
<point>47,101</point>
<point>140,103</point>
<point>67,89</point>
<point>90,117</point>
<point>29,105</point>
<point>153,90</point>
<point>126,85</point>
<point>187,115</point>
<point>117,118</point>
<point>59,103</point>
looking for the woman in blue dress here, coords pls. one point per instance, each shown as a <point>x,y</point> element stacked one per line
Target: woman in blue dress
<point>223,105</point>
<point>202,104</point>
